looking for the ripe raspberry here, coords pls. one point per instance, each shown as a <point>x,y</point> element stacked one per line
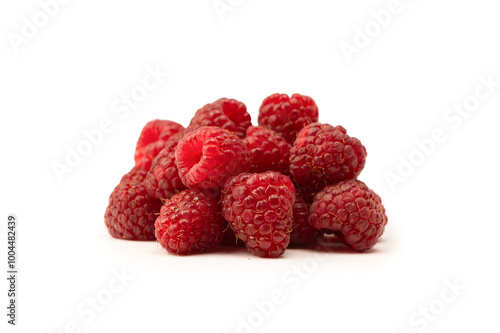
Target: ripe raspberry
<point>353,210</point>
<point>189,222</point>
<point>207,157</point>
<point>226,113</point>
<point>323,155</point>
<point>258,208</point>
<point>269,151</point>
<point>302,232</point>
<point>152,140</point>
<point>163,179</point>
<point>287,115</point>
<point>131,212</point>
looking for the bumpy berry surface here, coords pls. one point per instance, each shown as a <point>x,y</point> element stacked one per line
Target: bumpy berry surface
<point>189,223</point>
<point>207,157</point>
<point>324,154</point>
<point>153,137</point>
<point>226,113</point>
<point>131,212</point>
<point>269,150</point>
<point>258,208</point>
<point>352,210</point>
<point>302,232</point>
<point>163,179</point>
<point>287,115</point>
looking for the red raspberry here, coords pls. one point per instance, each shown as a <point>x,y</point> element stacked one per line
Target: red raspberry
<point>189,222</point>
<point>302,232</point>
<point>163,179</point>
<point>152,139</point>
<point>287,115</point>
<point>226,113</point>
<point>207,157</point>
<point>323,155</point>
<point>258,208</point>
<point>269,150</point>
<point>352,210</point>
<point>131,212</point>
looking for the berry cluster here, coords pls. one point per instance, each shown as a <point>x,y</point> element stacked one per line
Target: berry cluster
<point>290,181</point>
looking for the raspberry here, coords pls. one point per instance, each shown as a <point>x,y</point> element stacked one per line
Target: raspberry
<point>258,208</point>
<point>226,113</point>
<point>131,212</point>
<point>287,115</point>
<point>207,157</point>
<point>163,179</point>
<point>302,232</point>
<point>323,155</point>
<point>352,210</point>
<point>269,151</point>
<point>188,223</point>
<point>152,139</point>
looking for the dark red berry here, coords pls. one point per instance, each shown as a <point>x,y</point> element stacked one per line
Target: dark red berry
<point>287,115</point>
<point>352,210</point>
<point>163,179</point>
<point>323,155</point>
<point>269,150</point>
<point>131,212</point>
<point>189,223</point>
<point>225,113</point>
<point>258,208</point>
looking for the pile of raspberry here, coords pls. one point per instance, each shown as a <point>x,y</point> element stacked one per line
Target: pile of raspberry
<point>290,181</point>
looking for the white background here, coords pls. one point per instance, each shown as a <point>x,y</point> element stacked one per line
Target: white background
<point>443,219</point>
